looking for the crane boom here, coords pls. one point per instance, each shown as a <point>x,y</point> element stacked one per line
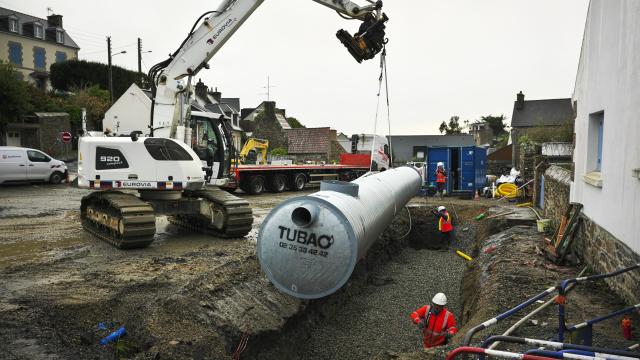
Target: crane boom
<point>171,79</point>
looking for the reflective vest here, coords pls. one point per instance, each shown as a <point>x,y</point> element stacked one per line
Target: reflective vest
<point>444,225</point>
<point>440,177</point>
<point>436,326</point>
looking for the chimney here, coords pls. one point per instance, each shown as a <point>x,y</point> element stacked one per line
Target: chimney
<point>201,90</point>
<point>217,96</point>
<point>520,101</point>
<point>55,20</point>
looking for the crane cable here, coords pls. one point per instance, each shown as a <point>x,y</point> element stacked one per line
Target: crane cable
<point>383,75</point>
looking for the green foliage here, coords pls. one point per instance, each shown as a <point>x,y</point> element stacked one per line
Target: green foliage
<point>496,123</point>
<point>295,124</point>
<point>19,98</point>
<point>14,95</point>
<point>80,74</point>
<point>542,134</point>
<point>452,128</point>
<point>279,151</point>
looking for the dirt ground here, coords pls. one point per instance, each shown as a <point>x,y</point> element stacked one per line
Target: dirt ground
<point>189,296</point>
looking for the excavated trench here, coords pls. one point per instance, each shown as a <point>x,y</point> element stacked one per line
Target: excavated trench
<point>369,317</point>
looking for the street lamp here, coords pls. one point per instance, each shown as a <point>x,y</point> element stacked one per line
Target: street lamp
<point>111,72</point>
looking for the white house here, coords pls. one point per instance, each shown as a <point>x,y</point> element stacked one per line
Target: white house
<point>607,140</point>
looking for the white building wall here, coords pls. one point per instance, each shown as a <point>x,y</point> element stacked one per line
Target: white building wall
<point>131,112</point>
<point>608,80</point>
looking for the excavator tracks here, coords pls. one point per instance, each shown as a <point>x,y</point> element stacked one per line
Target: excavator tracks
<point>120,219</point>
<point>227,216</point>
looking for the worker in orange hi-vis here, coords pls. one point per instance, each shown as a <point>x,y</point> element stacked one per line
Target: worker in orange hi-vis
<point>441,179</point>
<point>437,323</point>
<point>445,227</point>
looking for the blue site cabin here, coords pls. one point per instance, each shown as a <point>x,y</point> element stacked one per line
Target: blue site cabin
<point>466,167</point>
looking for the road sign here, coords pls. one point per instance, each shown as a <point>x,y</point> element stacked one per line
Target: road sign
<point>66,137</point>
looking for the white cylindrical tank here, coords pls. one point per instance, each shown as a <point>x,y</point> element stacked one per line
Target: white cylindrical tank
<point>308,246</point>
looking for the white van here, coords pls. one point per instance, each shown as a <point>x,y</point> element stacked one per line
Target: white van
<point>18,164</point>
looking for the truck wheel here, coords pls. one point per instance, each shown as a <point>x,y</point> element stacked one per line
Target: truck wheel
<point>256,185</point>
<point>56,178</point>
<point>278,183</point>
<point>297,182</point>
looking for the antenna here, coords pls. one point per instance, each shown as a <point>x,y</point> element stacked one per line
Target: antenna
<point>268,87</point>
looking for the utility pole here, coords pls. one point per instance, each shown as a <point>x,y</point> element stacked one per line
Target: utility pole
<point>110,73</point>
<point>140,61</point>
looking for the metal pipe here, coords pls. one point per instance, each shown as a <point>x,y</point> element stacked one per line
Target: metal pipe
<point>469,335</point>
<point>496,353</point>
<point>578,354</point>
<point>555,345</point>
<point>531,314</point>
<point>308,246</point>
<point>562,293</point>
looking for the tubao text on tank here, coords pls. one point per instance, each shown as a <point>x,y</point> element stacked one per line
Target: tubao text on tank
<point>308,246</point>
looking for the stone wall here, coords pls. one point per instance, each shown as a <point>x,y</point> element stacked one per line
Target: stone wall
<point>527,160</point>
<point>604,253</point>
<point>557,184</point>
<point>266,126</point>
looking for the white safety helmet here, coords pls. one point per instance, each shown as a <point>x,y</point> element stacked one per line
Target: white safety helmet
<point>440,163</point>
<point>439,299</point>
<point>440,208</point>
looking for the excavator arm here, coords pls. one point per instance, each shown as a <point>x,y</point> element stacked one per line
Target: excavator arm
<point>171,79</point>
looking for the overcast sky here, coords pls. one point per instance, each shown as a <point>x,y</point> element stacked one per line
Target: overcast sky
<point>456,57</point>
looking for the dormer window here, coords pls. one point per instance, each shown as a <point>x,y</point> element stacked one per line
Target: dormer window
<point>13,25</point>
<point>38,31</point>
<point>60,36</point>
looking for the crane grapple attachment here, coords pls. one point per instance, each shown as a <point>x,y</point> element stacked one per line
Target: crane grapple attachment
<point>368,41</point>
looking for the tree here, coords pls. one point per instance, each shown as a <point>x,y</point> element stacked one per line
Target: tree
<point>295,124</point>
<point>496,123</point>
<point>14,95</point>
<point>452,128</point>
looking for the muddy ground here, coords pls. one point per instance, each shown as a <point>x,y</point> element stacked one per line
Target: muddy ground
<point>190,296</point>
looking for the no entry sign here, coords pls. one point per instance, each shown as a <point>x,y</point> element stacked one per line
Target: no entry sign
<point>66,137</point>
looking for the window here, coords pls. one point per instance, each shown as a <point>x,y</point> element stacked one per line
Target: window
<point>596,132</point>
<point>166,150</point>
<point>39,61</point>
<point>60,36</point>
<point>15,53</point>
<point>38,31</point>
<point>595,144</point>
<point>61,56</point>
<point>13,25</point>
<point>37,156</point>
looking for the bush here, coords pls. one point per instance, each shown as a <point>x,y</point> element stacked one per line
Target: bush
<point>80,74</point>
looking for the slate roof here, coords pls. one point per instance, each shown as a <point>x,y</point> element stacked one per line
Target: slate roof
<point>24,19</point>
<point>234,103</point>
<point>309,140</point>
<point>550,112</point>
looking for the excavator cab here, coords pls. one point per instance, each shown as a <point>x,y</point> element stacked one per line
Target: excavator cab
<point>368,41</point>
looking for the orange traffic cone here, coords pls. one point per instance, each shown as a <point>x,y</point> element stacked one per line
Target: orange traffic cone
<point>477,197</point>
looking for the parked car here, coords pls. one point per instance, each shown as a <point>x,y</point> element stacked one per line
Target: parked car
<point>18,164</point>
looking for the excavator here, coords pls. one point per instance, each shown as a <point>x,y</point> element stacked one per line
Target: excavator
<point>169,163</point>
<point>249,154</point>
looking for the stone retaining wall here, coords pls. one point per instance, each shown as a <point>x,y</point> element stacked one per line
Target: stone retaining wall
<point>604,253</point>
<point>557,184</point>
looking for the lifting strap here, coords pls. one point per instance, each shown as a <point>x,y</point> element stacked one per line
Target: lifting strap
<point>383,75</point>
